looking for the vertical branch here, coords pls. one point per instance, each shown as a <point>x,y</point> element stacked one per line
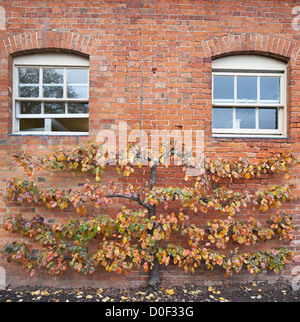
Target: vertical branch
<point>153,176</point>
<point>154,279</point>
<point>153,171</point>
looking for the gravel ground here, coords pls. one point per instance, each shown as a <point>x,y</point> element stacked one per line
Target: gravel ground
<point>251,292</point>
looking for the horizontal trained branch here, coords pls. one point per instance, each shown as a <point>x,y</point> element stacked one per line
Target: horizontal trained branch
<point>136,240</point>
<point>225,201</point>
<point>96,157</point>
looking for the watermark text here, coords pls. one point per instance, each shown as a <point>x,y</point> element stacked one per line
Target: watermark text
<point>2,18</point>
<point>296,20</point>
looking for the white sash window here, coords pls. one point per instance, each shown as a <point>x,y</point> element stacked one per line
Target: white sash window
<point>249,96</point>
<point>51,94</point>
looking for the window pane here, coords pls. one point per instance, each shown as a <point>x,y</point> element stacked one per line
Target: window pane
<point>245,118</point>
<point>246,89</point>
<point>30,108</point>
<point>70,125</point>
<point>223,91</point>
<point>53,91</point>
<point>222,118</point>
<point>32,125</point>
<point>270,89</point>
<point>77,108</point>
<point>77,91</point>
<point>29,76</point>
<point>53,76</point>
<point>268,118</point>
<point>77,76</point>
<point>29,91</point>
<point>54,108</point>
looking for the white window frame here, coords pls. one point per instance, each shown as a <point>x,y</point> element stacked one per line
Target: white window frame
<point>257,66</point>
<point>40,61</point>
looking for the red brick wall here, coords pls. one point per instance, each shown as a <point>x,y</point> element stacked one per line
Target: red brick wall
<point>178,38</point>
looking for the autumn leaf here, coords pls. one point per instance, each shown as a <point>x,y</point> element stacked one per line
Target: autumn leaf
<point>170,292</point>
<point>222,299</point>
<point>145,266</point>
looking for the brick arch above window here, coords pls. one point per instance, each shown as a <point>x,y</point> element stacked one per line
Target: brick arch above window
<point>268,45</point>
<point>51,41</point>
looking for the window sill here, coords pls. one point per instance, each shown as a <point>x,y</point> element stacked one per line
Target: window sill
<point>68,134</point>
<point>249,137</point>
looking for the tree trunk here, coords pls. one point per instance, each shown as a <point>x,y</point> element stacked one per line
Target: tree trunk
<point>154,279</point>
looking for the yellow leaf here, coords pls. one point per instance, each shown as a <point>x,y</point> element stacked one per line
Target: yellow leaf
<point>140,293</point>
<point>222,299</point>
<point>170,292</point>
<point>127,173</point>
<point>247,175</point>
<point>150,296</point>
<point>45,293</point>
<point>83,210</point>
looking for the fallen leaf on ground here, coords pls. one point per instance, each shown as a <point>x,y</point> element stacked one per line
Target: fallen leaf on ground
<point>141,293</point>
<point>170,292</point>
<point>149,297</point>
<point>44,293</point>
<point>222,299</point>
